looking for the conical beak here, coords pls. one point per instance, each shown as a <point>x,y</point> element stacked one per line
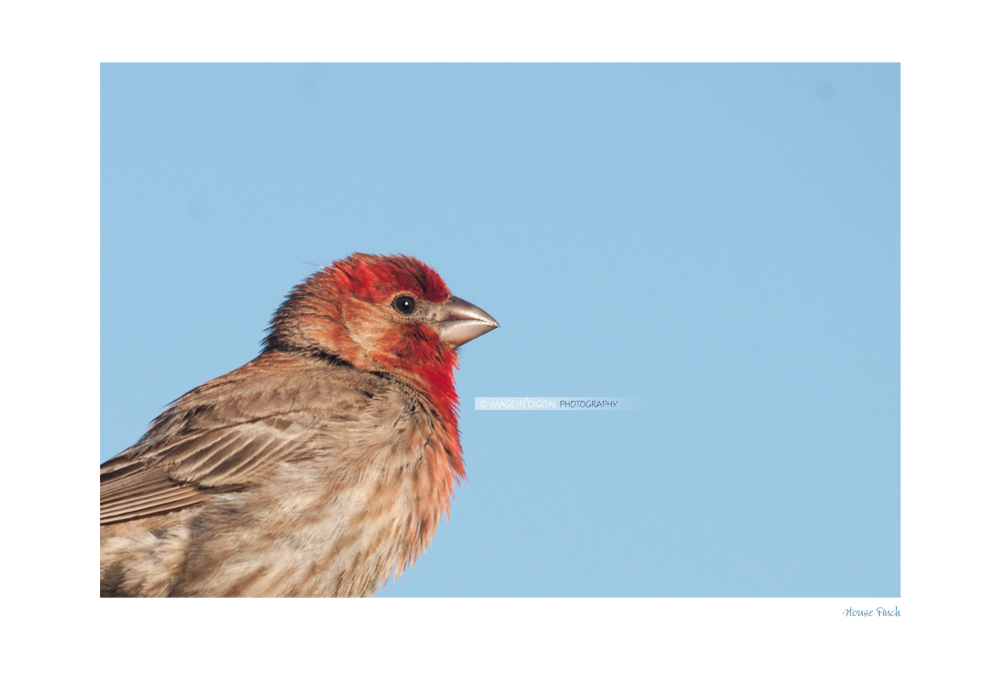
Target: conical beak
<point>461,321</point>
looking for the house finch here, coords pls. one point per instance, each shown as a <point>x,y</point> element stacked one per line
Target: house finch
<point>321,467</point>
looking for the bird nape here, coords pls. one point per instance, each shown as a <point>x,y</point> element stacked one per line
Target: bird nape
<point>321,467</point>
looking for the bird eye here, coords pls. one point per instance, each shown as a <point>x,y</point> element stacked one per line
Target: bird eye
<point>404,304</point>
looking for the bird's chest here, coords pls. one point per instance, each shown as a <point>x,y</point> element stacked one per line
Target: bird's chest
<point>343,527</point>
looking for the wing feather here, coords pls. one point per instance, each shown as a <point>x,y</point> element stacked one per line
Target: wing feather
<point>228,433</point>
<point>190,467</point>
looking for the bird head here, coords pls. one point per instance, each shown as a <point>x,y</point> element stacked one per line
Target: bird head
<point>390,314</point>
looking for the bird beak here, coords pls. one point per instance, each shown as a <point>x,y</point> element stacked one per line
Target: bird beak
<point>461,321</point>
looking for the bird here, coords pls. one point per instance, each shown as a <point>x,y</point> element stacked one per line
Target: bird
<point>321,467</point>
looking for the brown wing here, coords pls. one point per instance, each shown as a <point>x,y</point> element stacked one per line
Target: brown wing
<point>187,469</point>
<point>229,432</point>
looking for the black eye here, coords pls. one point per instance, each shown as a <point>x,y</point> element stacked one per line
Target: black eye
<point>404,304</point>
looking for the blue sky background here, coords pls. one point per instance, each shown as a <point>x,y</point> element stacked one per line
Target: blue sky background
<point>719,241</point>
